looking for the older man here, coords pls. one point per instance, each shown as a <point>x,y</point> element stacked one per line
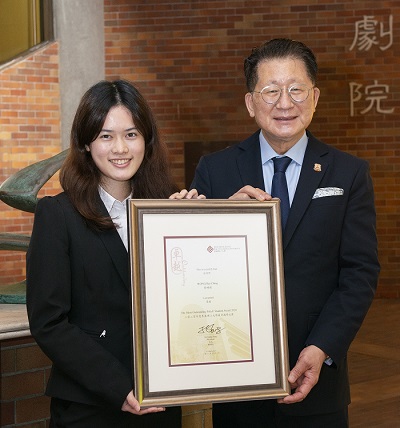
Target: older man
<point>329,239</point>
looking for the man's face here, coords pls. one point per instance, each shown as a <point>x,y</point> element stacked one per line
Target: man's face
<point>284,122</point>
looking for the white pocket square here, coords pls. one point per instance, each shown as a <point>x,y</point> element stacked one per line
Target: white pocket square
<point>328,191</point>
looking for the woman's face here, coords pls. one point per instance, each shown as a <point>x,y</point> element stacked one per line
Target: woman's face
<point>118,152</point>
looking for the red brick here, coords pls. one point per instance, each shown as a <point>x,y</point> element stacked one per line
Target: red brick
<point>32,409</point>
<point>22,385</point>
<point>31,357</point>
<point>7,413</point>
<point>7,361</point>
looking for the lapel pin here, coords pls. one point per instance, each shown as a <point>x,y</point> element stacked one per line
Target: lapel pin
<point>317,167</point>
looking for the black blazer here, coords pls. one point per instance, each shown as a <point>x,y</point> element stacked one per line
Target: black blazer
<point>79,306</point>
<point>330,253</point>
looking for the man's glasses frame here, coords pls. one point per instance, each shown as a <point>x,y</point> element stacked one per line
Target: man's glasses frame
<point>298,92</point>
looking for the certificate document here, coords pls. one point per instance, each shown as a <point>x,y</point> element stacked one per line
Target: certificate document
<point>208,299</point>
<point>208,309</point>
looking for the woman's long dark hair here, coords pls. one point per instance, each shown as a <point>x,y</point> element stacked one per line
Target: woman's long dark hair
<point>80,177</point>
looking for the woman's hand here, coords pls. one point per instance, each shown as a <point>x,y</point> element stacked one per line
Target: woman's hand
<point>187,194</point>
<point>131,405</point>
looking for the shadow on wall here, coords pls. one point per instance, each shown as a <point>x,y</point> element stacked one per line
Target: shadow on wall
<point>20,191</point>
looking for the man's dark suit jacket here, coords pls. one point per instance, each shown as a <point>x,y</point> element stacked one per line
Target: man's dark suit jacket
<point>78,305</point>
<point>330,253</point>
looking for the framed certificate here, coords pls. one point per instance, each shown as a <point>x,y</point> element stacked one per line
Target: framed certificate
<point>209,320</point>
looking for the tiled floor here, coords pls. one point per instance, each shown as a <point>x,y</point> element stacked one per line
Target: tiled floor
<point>374,361</point>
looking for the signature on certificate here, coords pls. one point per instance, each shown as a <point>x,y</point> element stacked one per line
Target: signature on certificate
<point>210,328</point>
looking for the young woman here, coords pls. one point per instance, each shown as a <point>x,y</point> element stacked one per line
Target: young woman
<point>78,266</point>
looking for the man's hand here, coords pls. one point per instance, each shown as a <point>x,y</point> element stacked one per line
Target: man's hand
<point>305,374</point>
<point>131,405</point>
<point>250,192</point>
<point>187,194</point>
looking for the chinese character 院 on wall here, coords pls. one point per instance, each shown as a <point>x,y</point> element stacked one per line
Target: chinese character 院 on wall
<point>374,95</point>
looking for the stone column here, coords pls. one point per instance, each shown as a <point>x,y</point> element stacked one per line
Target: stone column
<point>79,29</point>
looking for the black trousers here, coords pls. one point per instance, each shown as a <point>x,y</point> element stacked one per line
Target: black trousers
<point>267,414</point>
<point>68,414</point>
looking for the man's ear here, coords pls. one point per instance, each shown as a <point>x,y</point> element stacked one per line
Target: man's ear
<point>248,99</point>
<point>316,96</point>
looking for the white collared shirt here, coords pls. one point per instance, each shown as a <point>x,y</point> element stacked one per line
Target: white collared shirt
<point>117,211</point>
<point>296,153</point>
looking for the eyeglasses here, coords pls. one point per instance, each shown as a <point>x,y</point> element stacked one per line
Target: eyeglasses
<point>271,94</point>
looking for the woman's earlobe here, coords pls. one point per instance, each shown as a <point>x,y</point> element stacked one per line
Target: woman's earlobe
<point>87,148</point>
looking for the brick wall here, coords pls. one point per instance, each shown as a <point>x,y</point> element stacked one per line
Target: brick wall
<point>29,132</point>
<point>24,371</point>
<point>187,58</point>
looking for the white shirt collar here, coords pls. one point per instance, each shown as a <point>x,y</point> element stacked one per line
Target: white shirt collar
<point>117,211</point>
<point>109,200</point>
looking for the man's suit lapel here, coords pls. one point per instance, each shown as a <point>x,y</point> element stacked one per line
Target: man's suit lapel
<point>249,156</point>
<point>309,180</point>
<point>116,250</point>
